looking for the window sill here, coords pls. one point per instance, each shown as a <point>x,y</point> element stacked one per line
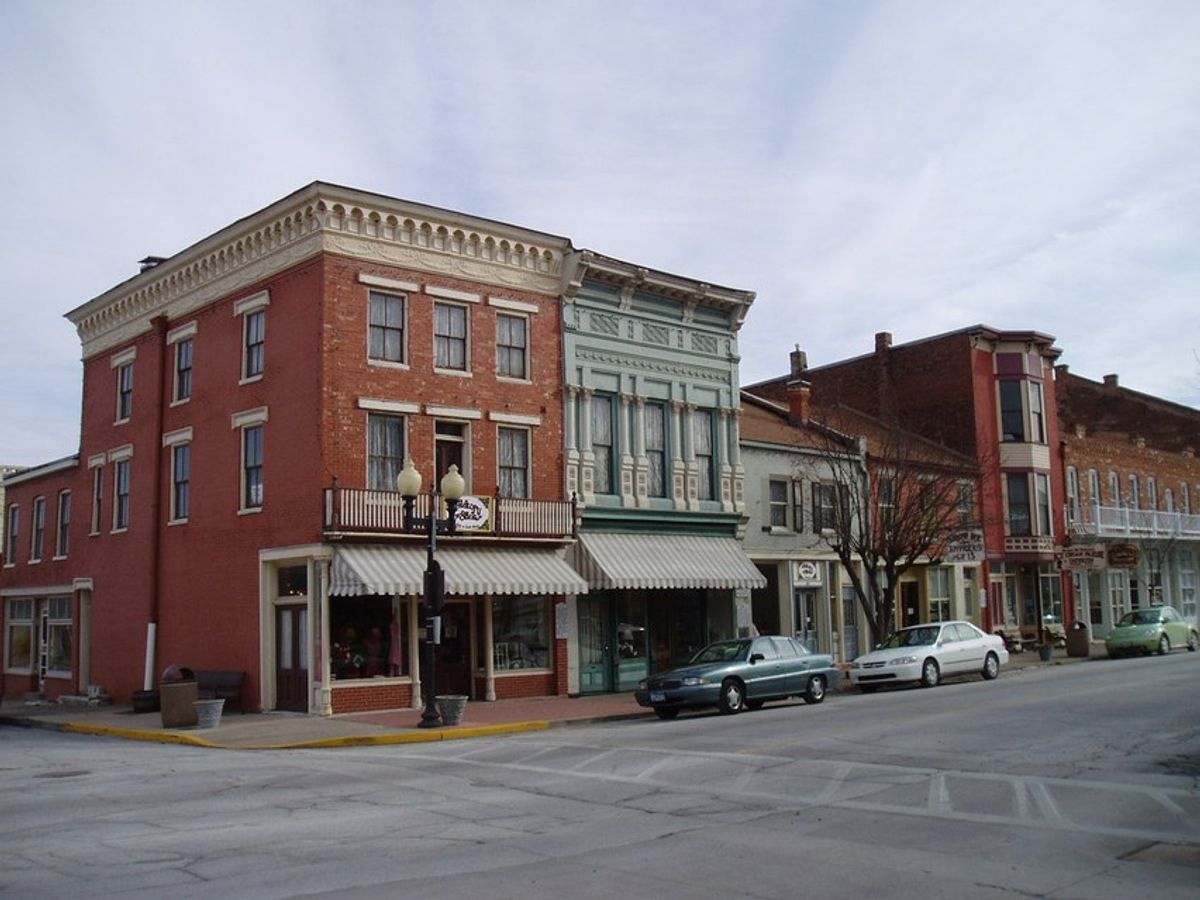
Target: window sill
<point>124,421</point>
<point>28,671</point>
<point>119,530</point>
<point>457,373</point>
<point>511,379</point>
<point>389,364</point>
<point>249,380</point>
<point>382,680</point>
<point>251,511</point>
<point>509,673</point>
<point>35,562</point>
<point>172,522</point>
<point>183,402</point>
<point>58,558</point>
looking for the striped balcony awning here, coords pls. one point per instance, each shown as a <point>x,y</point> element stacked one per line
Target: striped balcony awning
<point>469,571</point>
<point>665,561</point>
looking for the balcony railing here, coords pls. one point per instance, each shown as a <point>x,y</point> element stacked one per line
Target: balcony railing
<point>1119,521</point>
<point>363,512</point>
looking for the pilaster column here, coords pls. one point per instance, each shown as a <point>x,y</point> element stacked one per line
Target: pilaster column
<point>678,469</point>
<point>587,460</point>
<point>625,426</point>
<point>641,475</point>
<point>489,652</point>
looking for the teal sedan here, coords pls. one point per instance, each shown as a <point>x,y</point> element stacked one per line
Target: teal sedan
<point>740,674</point>
<point>1156,629</point>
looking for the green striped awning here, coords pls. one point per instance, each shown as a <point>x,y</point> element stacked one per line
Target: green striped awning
<point>469,571</point>
<point>664,562</point>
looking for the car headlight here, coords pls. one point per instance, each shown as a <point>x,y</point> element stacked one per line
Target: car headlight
<point>903,661</point>
<point>693,681</point>
<point>856,664</point>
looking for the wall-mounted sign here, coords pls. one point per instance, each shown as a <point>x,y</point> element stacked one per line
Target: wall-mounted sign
<point>807,574</point>
<point>1082,557</point>
<point>1123,556</point>
<point>964,546</point>
<point>474,514</point>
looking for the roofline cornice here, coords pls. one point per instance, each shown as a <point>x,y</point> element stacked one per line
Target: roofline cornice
<point>323,218</point>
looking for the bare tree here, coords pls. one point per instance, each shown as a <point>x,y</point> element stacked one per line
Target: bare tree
<point>893,504</point>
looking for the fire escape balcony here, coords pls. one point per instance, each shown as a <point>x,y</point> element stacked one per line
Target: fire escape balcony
<point>1122,522</point>
<point>359,513</point>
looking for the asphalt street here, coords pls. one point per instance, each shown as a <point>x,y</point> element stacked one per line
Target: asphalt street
<point>1078,781</point>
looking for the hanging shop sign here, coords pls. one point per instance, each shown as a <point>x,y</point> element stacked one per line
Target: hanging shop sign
<point>1123,556</point>
<point>964,546</point>
<point>806,574</point>
<point>474,514</point>
<point>1087,557</point>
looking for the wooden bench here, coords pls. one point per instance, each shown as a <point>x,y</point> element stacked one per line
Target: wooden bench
<point>221,685</point>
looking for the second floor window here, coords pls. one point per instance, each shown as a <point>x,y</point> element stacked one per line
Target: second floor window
<point>656,449</point>
<point>1073,504</point>
<point>387,327</point>
<point>511,347</point>
<point>602,443</point>
<point>966,504</point>
<point>1012,412</point>
<point>63,544</point>
<point>824,514</point>
<point>1037,416</point>
<point>12,531</point>
<point>385,451</point>
<point>124,391</point>
<point>38,529</point>
<point>1093,487</point>
<point>255,353</point>
<point>183,370</point>
<point>1135,493</point>
<point>252,467</point>
<point>121,495</point>
<point>514,462</point>
<point>181,482</point>
<point>1042,488</point>
<point>702,421</point>
<point>1020,521</point>
<point>97,497</point>
<point>1114,489</point>
<point>450,336</point>
<point>777,503</point>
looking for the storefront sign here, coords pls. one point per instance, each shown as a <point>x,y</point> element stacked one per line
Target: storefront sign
<point>806,574</point>
<point>1084,557</point>
<point>964,546</point>
<point>1123,556</point>
<point>473,514</point>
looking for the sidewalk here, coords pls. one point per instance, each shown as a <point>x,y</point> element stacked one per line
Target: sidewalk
<point>278,731</point>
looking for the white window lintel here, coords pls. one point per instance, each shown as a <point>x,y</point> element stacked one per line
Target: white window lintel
<point>249,417</point>
<point>388,406</point>
<point>251,303</point>
<point>178,436</point>
<point>392,284</point>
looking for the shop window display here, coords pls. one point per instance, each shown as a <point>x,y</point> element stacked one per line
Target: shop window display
<point>521,633</point>
<point>370,635</point>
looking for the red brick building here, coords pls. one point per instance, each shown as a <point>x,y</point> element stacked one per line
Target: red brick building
<point>988,394</point>
<point>247,404</point>
<point>1132,499</point>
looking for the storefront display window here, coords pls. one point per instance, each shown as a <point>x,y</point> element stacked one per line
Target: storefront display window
<point>19,640</point>
<point>520,633</point>
<point>369,637</point>
<point>58,634</point>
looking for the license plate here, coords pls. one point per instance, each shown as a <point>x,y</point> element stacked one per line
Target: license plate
<point>658,697</point>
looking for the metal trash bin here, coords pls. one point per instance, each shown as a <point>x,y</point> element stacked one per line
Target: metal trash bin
<point>1079,639</point>
<point>178,692</point>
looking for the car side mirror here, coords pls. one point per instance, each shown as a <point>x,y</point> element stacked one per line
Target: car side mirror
<point>755,657</point>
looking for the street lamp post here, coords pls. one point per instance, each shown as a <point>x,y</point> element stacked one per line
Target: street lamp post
<point>453,485</point>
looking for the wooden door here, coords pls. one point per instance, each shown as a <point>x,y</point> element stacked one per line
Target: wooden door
<point>910,603</point>
<point>291,658</point>
<point>453,673</point>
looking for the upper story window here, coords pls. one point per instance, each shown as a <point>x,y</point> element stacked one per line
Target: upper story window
<point>1152,492</point>
<point>514,461</point>
<point>603,437</point>
<point>512,346</point>
<point>450,336</point>
<point>12,531</point>
<point>385,450</point>
<point>252,467</point>
<point>451,447</point>
<point>38,529</point>
<point>1114,489</point>
<point>1020,519</point>
<point>1041,485</point>
<point>1073,506</point>
<point>702,430</point>
<point>253,310</point>
<point>1135,493</point>
<point>97,496</point>
<point>1037,416</point>
<point>181,482</point>
<point>183,371</point>
<point>824,513</point>
<point>62,544</point>
<point>124,391</point>
<point>656,449</point>
<point>886,496</point>
<point>1169,500</point>
<point>1012,412</point>
<point>1094,487</point>
<point>1022,411</point>
<point>121,475</point>
<point>1185,498</point>
<point>966,504</point>
<point>777,503</point>
<point>387,325</point>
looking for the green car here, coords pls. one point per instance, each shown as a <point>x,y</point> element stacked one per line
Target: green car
<point>1157,629</point>
<point>740,674</point>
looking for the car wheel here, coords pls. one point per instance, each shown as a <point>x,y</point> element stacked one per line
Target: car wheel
<point>815,692</point>
<point>1164,645</point>
<point>666,712</point>
<point>733,697</point>
<point>991,667</point>
<point>1193,641</point>
<point>930,674</point>
<point>754,704</point>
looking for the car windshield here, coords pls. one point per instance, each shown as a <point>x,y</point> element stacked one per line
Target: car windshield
<point>722,651</point>
<point>1140,617</point>
<point>912,637</point>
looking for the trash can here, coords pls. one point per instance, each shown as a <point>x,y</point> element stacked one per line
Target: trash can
<point>178,691</point>
<point>1079,639</point>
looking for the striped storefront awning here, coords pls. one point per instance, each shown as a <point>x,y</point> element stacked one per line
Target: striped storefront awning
<point>665,561</point>
<point>469,571</point>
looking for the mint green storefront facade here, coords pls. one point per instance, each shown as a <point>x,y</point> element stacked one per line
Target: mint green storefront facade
<point>651,453</point>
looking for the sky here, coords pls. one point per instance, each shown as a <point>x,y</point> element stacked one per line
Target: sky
<point>912,167</point>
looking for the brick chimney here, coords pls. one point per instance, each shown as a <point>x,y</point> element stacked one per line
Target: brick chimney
<point>799,394</point>
<point>799,362</point>
<point>883,341</point>
<point>1110,381</point>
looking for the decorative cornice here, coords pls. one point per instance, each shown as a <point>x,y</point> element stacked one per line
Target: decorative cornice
<point>661,366</point>
<point>322,218</point>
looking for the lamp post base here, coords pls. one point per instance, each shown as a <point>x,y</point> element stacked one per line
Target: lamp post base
<point>430,718</point>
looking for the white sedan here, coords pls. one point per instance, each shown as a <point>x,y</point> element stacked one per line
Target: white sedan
<point>927,653</point>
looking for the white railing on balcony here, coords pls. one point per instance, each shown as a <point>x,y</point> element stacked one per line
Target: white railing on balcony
<point>358,511</point>
<point>1119,521</point>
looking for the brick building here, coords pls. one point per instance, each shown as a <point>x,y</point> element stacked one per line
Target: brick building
<point>247,404</point>
<point>1132,499</point>
<point>989,394</point>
